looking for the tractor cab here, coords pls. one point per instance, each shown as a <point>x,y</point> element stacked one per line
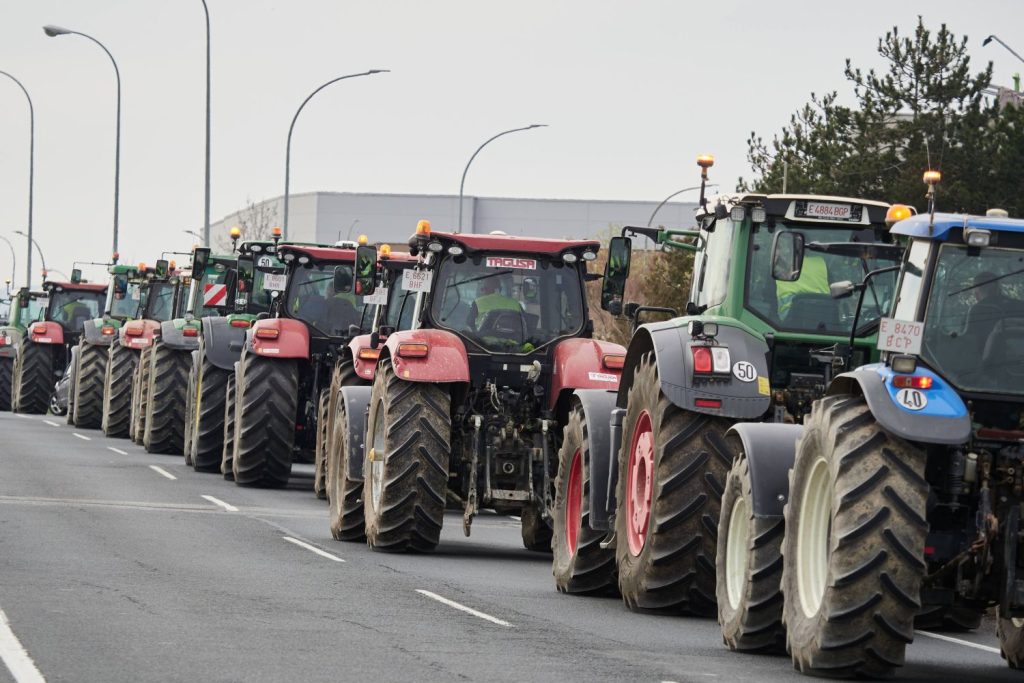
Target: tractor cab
<point>212,285</point>
<point>261,279</point>
<point>321,292</point>
<point>26,307</point>
<point>69,306</point>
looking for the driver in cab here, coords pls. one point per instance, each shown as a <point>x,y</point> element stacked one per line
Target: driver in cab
<point>492,298</point>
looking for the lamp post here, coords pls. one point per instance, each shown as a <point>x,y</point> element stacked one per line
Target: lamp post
<point>487,142</point>
<point>31,173</point>
<point>14,261</point>
<point>206,205</point>
<point>999,40</point>
<point>42,259</point>
<point>54,31</point>
<point>674,194</point>
<point>196,235</point>
<point>288,149</point>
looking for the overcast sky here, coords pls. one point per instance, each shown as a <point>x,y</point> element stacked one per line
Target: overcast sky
<point>632,91</point>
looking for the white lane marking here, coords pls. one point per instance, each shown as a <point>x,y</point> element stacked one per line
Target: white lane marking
<point>52,424</point>
<point>463,608</point>
<point>117,450</point>
<point>161,471</point>
<point>83,438</point>
<point>221,503</point>
<point>23,417</point>
<point>312,549</point>
<point>13,653</point>
<point>976,646</point>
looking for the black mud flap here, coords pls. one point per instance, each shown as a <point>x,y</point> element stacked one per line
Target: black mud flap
<point>770,449</point>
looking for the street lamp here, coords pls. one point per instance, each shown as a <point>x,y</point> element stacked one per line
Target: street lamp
<point>14,261</point>
<point>206,209</point>
<point>195,234</point>
<point>288,150</point>
<point>31,171</point>
<point>42,259</point>
<point>999,40</point>
<point>487,142</point>
<point>54,31</point>
<point>665,200</point>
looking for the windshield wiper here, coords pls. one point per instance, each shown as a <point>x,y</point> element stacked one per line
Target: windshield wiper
<point>987,282</point>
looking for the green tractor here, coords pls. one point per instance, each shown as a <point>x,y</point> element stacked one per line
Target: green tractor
<point>261,281</point>
<point>641,470</point>
<point>26,307</point>
<point>160,293</point>
<point>164,366</point>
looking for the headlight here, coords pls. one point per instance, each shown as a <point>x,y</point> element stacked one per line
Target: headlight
<point>589,255</point>
<point>435,247</point>
<point>569,257</point>
<point>303,260</point>
<point>455,251</point>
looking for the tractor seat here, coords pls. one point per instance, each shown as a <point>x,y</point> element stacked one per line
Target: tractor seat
<point>79,315</point>
<point>1004,349</point>
<point>813,312</point>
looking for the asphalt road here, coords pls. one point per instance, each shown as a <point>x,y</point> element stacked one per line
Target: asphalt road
<point>117,565</point>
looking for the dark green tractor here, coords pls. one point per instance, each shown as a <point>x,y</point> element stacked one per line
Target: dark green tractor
<point>26,307</point>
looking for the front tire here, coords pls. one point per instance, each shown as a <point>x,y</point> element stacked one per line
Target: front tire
<point>748,569</point>
<point>265,409</point>
<point>207,418</point>
<point>672,466</point>
<point>118,389</point>
<point>228,453</point>
<point>854,545</point>
<point>166,396</point>
<point>405,470</point>
<point>36,366</point>
<point>6,382</point>
<point>1011,641</point>
<point>88,396</point>
<point>348,522</point>
<point>320,457</point>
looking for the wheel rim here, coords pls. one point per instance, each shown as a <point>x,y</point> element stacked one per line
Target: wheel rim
<point>574,503</point>
<point>639,483</point>
<point>812,539</point>
<point>377,466</point>
<point>736,557</point>
<point>55,405</point>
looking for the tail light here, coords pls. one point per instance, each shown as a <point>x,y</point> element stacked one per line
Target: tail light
<point>39,328</point>
<point>413,350</point>
<point>107,330</point>
<point>3,341</point>
<point>613,361</point>
<point>132,330</point>
<point>912,382</point>
<point>708,360</point>
<point>267,333</point>
<point>368,354</point>
<point>702,360</point>
<point>190,331</point>
<point>240,323</point>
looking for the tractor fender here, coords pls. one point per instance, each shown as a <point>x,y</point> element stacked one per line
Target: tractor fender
<point>292,340</point>
<point>446,359</point>
<point>579,364</point>
<point>92,331</point>
<point>222,342</point>
<point>597,406</point>
<point>47,332</point>
<point>364,368</point>
<point>670,342</point>
<point>11,338</point>
<point>356,400</point>
<point>770,449</point>
<point>138,334</point>
<point>943,420</point>
<point>172,336</point>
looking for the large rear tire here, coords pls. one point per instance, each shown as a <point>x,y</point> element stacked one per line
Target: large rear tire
<point>92,370</point>
<point>344,375</point>
<point>1011,641</point>
<point>118,388</point>
<point>228,452</point>
<point>265,410</point>
<point>166,396</point>
<point>955,618</point>
<point>579,563</point>
<point>672,467</point>
<point>348,522</point>
<point>139,386</point>
<point>6,383</point>
<point>535,532</point>
<point>35,375</point>
<point>207,420</point>
<point>748,569</point>
<point>320,457</point>
<point>854,546</point>
<point>405,470</point>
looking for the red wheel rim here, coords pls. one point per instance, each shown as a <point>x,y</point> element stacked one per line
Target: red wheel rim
<point>574,503</point>
<point>639,483</point>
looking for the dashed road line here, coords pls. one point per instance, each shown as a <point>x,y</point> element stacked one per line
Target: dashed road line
<point>80,436</point>
<point>161,471</point>
<point>312,549</point>
<point>23,417</point>
<point>14,656</point>
<point>220,503</point>
<point>117,450</point>
<point>949,639</point>
<point>463,608</point>
<point>52,424</point>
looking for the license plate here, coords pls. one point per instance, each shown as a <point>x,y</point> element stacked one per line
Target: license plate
<point>828,211</point>
<point>275,282</point>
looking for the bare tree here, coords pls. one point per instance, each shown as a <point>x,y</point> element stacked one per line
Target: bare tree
<point>255,222</point>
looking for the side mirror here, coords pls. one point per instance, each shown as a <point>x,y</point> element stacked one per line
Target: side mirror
<point>76,275</point>
<point>841,289</point>
<point>366,270</point>
<point>616,271</point>
<point>343,280</point>
<point>120,286</point>
<point>162,267</point>
<point>530,289</point>
<point>200,259</point>
<point>787,256</point>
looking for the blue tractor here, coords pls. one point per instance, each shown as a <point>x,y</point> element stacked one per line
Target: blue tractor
<point>900,496</point>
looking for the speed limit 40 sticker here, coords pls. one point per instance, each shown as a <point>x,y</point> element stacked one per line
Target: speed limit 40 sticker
<point>912,399</point>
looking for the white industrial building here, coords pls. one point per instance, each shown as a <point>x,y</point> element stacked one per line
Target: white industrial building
<point>326,217</point>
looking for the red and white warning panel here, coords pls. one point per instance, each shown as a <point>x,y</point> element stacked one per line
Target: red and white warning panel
<point>215,295</point>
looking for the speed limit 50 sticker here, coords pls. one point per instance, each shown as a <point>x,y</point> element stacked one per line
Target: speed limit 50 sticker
<point>912,399</point>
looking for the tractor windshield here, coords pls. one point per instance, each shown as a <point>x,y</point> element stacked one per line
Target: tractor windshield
<point>34,311</point>
<point>127,303</point>
<point>508,304</point>
<point>974,322</point>
<point>806,305</point>
<point>313,299</point>
<point>401,304</point>
<point>160,302</point>
<point>268,277</point>
<point>71,308</point>
<point>214,295</point>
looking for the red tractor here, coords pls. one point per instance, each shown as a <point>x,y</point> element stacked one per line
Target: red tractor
<point>287,361</point>
<point>467,407</point>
